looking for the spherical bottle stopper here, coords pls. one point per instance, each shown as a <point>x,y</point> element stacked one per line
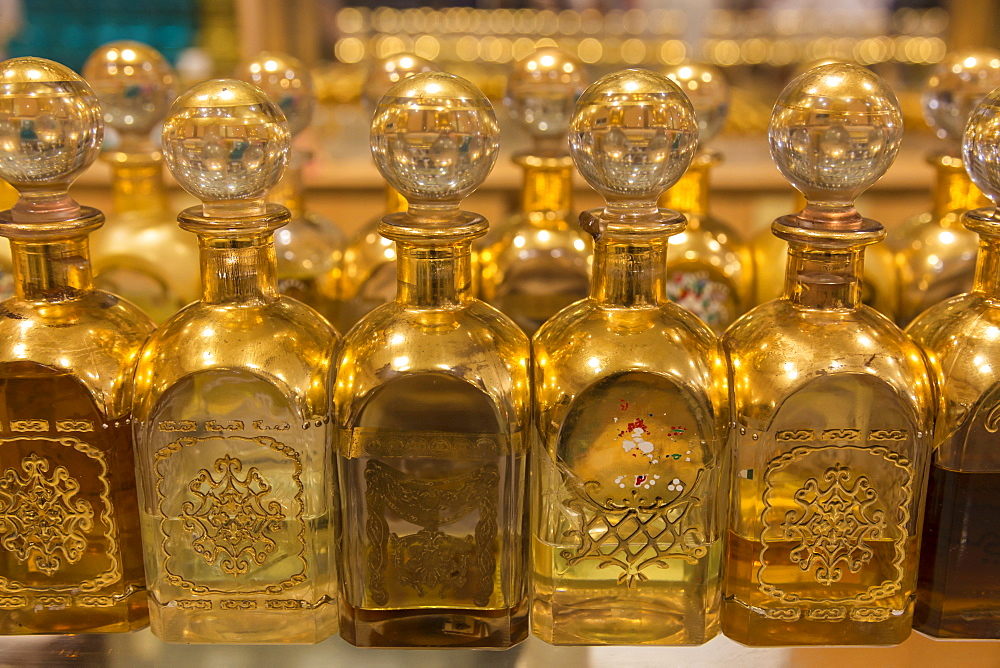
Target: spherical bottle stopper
<point>542,92</point>
<point>956,86</point>
<point>708,91</point>
<point>51,129</point>
<point>135,85</point>
<point>435,140</point>
<point>981,154</point>
<point>834,131</point>
<point>226,143</point>
<point>289,84</point>
<point>633,136</point>
<point>387,72</point>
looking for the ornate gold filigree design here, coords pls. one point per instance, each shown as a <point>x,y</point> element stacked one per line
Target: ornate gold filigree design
<point>635,532</point>
<point>29,425</point>
<point>43,528</point>
<point>833,524</point>
<point>74,425</point>
<point>232,520</point>
<point>162,488</point>
<point>841,435</point>
<point>888,435</point>
<point>431,559</point>
<point>822,543</point>
<point>992,421</point>
<point>794,435</point>
<point>41,522</point>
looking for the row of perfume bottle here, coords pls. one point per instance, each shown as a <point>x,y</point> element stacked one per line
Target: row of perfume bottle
<point>780,472</point>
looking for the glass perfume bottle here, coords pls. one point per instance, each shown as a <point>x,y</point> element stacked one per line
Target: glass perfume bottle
<point>710,265</point>
<point>832,403</point>
<point>631,398</point>
<point>958,594</point>
<point>232,402</point>
<point>880,276</point>
<point>140,254</point>
<point>310,246</point>
<point>433,403</point>
<point>935,252</point>
<point>368,277</point>
<point>70,560</point>
<point>539,262</point>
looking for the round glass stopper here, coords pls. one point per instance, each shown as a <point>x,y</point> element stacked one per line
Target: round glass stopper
<point>289,84</point>
<point>226,140</point>
<point>981,146</point>
<point>708,91</point>
<point>434,137</point>
<point>956,86</point>
<point>633,135</point>
<point>387,72</point>
<point>51,127</point>
<point>134,83</point>
<point>834,131</point>
<point>542,92</point>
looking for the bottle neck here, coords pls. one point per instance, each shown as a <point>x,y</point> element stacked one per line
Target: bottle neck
<point>288,192</point>
<point>548,185</point>
<point>52,270</point>
<point>137,185</point>
<point>629,272</point>
<point>394,202</point>
<point>987,281</point>
<point>690,193</point>
<point>238,269</point>
<point>434,276</point>
<point>824,279</point>
<point>954,190</point>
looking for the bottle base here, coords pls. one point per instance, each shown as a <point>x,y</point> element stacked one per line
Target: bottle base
<point>434,627</point>
<point>965,623</point>
<point>129,614</point>
<point>243,627</point>
<point>609,622</point>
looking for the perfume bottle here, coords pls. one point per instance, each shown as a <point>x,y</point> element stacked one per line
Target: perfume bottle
<point>631,398</point>
<point>880,282</point>
<point>140,254</point>
<point>958,593</point>
<point>539,261</point>
<point>935,252</point>
<point>710,265</point>
<point>310,246</point>
<point>832,404</point>
<point>433,403</point>
<point>232,402</point>
<point>368,277</point>
<point>70,560</point>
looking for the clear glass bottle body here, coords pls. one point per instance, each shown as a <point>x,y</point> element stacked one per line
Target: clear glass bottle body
<point>141,254</point>
<point>232,425</point>
<point>70,557</point>
<point>935,252</point>
<point>832,413</point>
<point>368,274</point>
<point>433,412</point>
<point>628,516</point>
<point>958,592</point>
<point>711,267</point>
<point>539,262</point>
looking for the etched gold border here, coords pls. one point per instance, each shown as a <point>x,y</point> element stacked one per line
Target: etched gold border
<point>888,587</point>
<point>105,578</point>
<point>174,447</point>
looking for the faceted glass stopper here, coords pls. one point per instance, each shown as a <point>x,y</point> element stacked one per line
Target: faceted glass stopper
<point>50,125</point>
<point>225,141</point>
<point>434,138</point>
<point>834,131</point>
<point>633,135</point>
<point>288,82</point>
<point>135,85</point>
<point>981,146</point>
<point>708,91</point>
<point>387,72</point>
<point>542,92</point>
<point>956,86</point>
